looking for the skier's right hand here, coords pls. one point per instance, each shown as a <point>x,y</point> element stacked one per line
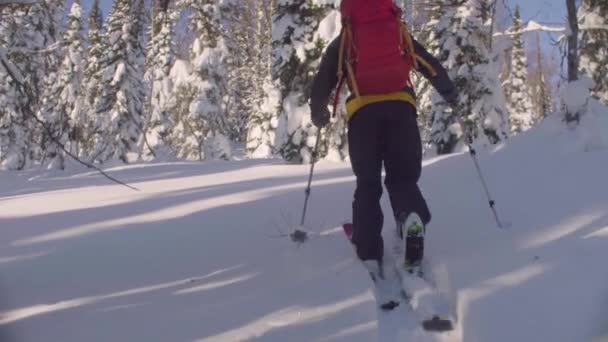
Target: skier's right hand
<point>320,117</point>
<point>452,98</point>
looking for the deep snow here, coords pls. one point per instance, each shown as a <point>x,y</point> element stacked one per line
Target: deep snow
<point>200,254</point>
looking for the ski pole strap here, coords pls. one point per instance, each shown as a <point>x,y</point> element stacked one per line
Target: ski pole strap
<point>337,96</point>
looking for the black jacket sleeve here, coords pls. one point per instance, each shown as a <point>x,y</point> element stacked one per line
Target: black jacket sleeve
<point>326,79</point>
<point>441,81</point>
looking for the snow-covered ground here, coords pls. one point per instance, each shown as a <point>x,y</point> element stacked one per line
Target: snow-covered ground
<point>200,254</point>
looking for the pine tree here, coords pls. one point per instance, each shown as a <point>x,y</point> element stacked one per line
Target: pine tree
<point>429,37</point>
<point>201,131</point>
<point>463,50</point>
<point>62,103</point>
<point>122,93</point>
<point>240,65</point>
<point>540,87</point>
<point>521,114</point>
<point>158,68</point>
<point>30,33</point>
<point>296,53</point>
<point>263,120</point>
<point>13,122</point>
<point>93,77</point>
<point>593,22</point>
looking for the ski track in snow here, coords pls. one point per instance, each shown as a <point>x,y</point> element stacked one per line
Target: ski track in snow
<point>201,253</point>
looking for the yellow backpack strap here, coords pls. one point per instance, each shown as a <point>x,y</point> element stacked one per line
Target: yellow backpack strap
<point>346,47</point>
<point>341,52</point>
<point>407,37</point>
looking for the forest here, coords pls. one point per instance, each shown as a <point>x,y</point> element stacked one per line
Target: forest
<point>224,79</point>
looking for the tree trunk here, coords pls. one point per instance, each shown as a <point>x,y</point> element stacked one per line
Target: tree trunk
<point>542,96</point>
<point>572,41</point>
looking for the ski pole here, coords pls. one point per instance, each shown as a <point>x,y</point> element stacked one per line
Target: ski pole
<point>315,153</point>
<point>473,153</point>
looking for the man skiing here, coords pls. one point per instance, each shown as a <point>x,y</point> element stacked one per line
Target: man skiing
<point>374,54</point>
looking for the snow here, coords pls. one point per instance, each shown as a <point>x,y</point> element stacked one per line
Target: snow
<point>592,131</point>
<point>532,26</point>
<point>200,254</point>
<point>592,20</point>
<point>329,27</point>
<point>298,113</point>
<point>181,72</point>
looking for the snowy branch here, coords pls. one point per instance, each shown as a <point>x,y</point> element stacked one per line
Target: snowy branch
<point>51,48</point>
<point>531,27</point>
<point>10,68</point>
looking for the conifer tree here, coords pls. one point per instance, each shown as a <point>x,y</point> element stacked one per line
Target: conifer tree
<point>464,51</point>
<point>516,89</point>
<point>296,53</point>
<point>200,132</point>
<point>263,120</point>
<point>158,68</point>
<point>62,108</point>
<point>540,87</point>
<point>120,104</point>
<point>593,23</point>
<point>30,34</point>
<point>93,77</point>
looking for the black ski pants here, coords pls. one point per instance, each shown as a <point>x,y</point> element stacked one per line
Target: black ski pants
<point>384,133</point>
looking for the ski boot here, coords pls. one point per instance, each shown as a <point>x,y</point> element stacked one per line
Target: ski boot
<point>411,231</point>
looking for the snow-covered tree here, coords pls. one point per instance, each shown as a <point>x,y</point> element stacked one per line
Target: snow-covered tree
<point>297,49</point>
<point>62,108</point>
<point>43,33</point>
<point>521,113</point>
<point>28,43</point>
<point>13,122</point>
<point>93,76</point>
<point>593,23</point>
<point>540,83</point>
<point>239,31</point>
<point>463,50</point>
<point>158,68</point>
<point>263,119</point>
<point>429,37</point>
<point>119,106</point>
<point>202,130</point>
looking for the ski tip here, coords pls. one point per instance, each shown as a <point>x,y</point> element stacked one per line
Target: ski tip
<point>438,324</point>
<point>348,230</point>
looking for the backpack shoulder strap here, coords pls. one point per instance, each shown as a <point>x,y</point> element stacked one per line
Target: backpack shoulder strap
<point>345,56</point>
<point>408,42</point>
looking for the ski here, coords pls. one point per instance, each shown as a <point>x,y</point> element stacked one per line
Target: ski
<point>413,291</point>
<point>387,290</point>
<point>425,299</point>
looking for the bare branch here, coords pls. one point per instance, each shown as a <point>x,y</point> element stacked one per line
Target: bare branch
<point>18,2</point>
<point>28,94</point>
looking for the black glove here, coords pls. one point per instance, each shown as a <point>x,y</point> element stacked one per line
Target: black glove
<point>452,98</point>
<point>320,117</point>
